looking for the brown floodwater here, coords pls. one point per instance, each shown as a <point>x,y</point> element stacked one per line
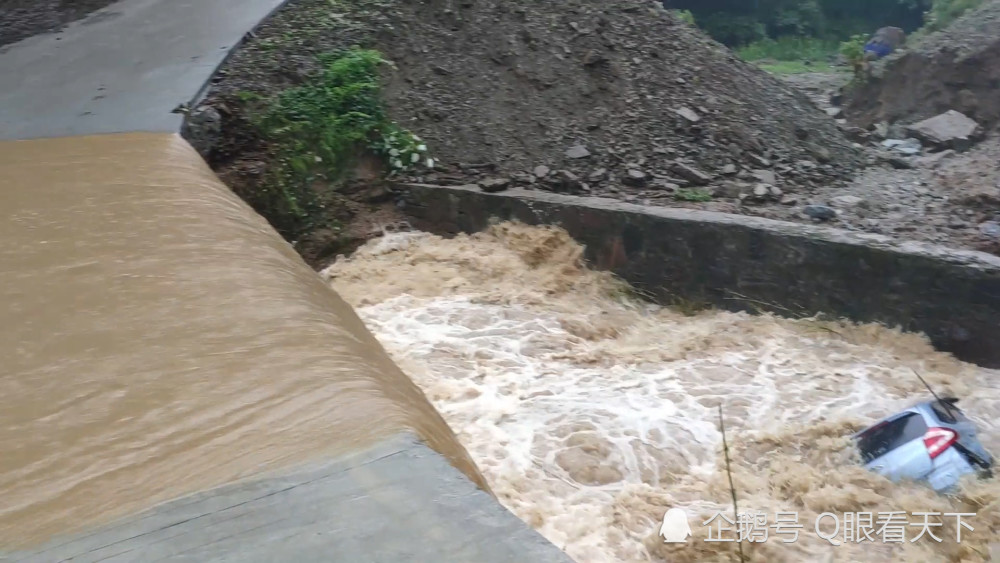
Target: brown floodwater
<point>160,338</point>
<point>591,413</point>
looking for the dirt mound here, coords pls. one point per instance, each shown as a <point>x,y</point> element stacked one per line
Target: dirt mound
<point>618,99</point>
<point>622,95</point>
<point>954,69</point>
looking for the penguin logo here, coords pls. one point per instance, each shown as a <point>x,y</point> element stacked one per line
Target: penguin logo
<point>675,527</point>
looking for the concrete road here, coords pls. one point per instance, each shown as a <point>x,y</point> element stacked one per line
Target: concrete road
<point>124,68</point>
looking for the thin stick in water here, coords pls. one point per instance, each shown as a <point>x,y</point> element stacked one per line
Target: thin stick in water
<point>732,487</point>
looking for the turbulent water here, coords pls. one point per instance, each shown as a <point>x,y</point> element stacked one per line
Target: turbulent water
<point>591,414</point>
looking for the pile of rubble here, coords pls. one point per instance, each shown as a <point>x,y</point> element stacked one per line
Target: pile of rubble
<point>613,99</point>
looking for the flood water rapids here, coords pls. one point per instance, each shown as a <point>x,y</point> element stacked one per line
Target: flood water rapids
<point>160,338</point>
<point>591,413</point>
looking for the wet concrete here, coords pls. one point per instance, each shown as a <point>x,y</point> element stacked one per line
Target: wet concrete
<point>396,502</point>
<point>124,68</point>
<point>748,263</point>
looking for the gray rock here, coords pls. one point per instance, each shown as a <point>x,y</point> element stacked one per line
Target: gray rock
<point>933,160</point>
<point>819,212</point>
<point>765,176</point>
<point>202,128</point>
<point>881,130</point>
<point>776,192</point>
<point>847,201</point>
<point>789,200</point>
<point>599,174</point>
<point>761,190</point>
<point>688,114</point>
<point>730,169</point>
<point>759,160</point>
<point>577,151</point>
<point>990,229</point>
<point>635,178</point>
<point>731,190</point>
<point>693,175</point>
<point>908,146</point>
<point>664,184</point>
<point>541,171</point>
<point>950,129</point>
<point>564,181</point>
<point>493,185</point>
<point>899,163</point>
<point>834,112</point>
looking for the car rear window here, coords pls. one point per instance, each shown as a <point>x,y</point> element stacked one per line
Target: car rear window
<point>887,436</point>
<point>947,412</point>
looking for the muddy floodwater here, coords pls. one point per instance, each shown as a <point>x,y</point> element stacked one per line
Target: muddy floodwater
<point>160,338</point>
<point>591,414</point>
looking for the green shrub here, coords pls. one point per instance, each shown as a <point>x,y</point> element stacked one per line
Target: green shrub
<point>732,30</point>
<point>853,50</point>
<point>685,16</point>
<point>319,129</point>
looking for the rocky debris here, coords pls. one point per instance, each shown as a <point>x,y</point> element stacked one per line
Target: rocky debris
<point>541,171</point>
<point>493,185</point>
<point>577,151</point>
<point>847,201</point>
<point>834,112</point>
<point>899,163</point>
<point>951,69</point>
<point>909,146</point>
<point>628,84</point>
<point>691,174</point>
<point>635,178</point>
<point>819,212</point>
<point>934,159</point>
<point>564,181</point>
<point>202,127</point>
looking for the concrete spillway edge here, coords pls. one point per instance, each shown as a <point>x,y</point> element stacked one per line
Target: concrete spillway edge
<point>398,501</point>
<point>748,263</point>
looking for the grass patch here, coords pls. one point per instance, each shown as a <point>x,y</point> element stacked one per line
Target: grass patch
<point>685,194</point>
<point>318,130</point>
<point>797,67</point>
<point>789,49</point>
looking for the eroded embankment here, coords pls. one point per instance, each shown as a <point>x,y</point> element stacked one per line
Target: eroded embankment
<point>160,338</point>
<point>591,413</point>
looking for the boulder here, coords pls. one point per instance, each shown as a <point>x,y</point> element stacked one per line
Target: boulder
<point>949,130</point>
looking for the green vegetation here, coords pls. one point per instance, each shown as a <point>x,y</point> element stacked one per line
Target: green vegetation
<point>317,132</point>
<point>944,12</point>
<point>789,48</point>
<point>786,31</point>
<point>685,194</point>
<point>791,55</point>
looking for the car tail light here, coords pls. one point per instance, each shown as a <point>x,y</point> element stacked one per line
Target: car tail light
<point>937,440</point>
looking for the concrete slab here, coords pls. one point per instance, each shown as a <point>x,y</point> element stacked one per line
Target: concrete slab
<point>124,68</point>
<point>396,502</point>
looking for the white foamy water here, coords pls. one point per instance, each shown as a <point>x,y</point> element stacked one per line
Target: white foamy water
<point>591,414</point>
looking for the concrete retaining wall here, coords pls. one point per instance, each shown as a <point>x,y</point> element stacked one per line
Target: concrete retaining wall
<point>748,263</point>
